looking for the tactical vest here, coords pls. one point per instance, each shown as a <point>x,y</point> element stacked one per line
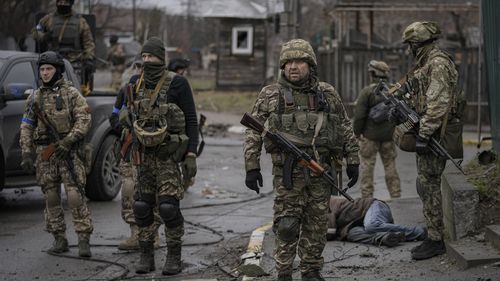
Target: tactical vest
<point>55,102</point>
<point>68,30</point>
<point>164,112</point>
<point>309,121</point>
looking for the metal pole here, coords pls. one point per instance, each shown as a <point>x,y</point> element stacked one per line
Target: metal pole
<point>133,19</point>
<point>479,88</point>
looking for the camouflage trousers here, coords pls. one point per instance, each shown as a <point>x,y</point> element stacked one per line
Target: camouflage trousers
<point>116,76</point>
<point>158,177</point>
<point>50,174</point>
<point>307,205</point>
<point>128,173</point>
<point>368,155</point>
<point>429,171</point>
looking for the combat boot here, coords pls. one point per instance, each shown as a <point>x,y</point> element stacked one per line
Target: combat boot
<point>285,276</point>
<point>131,243</point>
<point>428,249</point>
<point>84,245</point>
<point>60,244</point>
<point>173,264</point>
<point>312,276</point>
<point>147,260</point>
<point>391,239</point>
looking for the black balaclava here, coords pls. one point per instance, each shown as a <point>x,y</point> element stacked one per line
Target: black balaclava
<point>64,9</point>
<point>153,70</point>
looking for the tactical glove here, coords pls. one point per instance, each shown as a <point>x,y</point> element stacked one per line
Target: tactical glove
<point>422,146</point>
<point>395,116</point>
<point>63,147</point>
<point>253,178</point>
<point>352,171</point>
<point>189,166</point>
<point>27,163</point>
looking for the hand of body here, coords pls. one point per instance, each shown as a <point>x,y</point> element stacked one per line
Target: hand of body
<point>253,180</point>
<point>27,163</point>
<point>63,147</point>
<point>188,166</point>
<point>422,146</point>
<point>352,171</point>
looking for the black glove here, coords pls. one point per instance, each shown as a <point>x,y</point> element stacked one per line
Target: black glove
<point>63,147</point>
<point>253,177</point>
<point>352,171</point>
<point>88,65</point>
<point>395,116</point>
<point>27,163</point>
<point>422,146</point>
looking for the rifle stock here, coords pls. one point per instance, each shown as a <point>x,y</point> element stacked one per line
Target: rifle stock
<point>301,157</point>
<point>48,151</point>
<point>136,155</point>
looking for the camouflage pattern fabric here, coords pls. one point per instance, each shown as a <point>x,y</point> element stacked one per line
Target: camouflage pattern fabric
<point>72,120</point>
<point>368,156</point>
<point>307,202</point>
<point>379,68</point>
<point>421,31</point>
<point>87,42</point>
<point>116,54</point>
<point>434,83</point>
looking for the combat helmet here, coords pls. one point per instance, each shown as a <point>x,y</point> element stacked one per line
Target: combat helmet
<point>297,49</point>
<point>150,131</point>
<point>421,31</point>
<point>379,68</point>
<point>52,58</point>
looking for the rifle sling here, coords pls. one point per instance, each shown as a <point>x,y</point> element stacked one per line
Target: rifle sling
<point>156,92</point>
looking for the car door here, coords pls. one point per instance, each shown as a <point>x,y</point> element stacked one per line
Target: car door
<point>19,76</point>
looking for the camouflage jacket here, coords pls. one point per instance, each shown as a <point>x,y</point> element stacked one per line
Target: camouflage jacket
<point>116,54</point>
<point>86,48</point>
<point>71,119</point>
<point>434,83</point>
<point>267,105</point>
<point>365,126</point>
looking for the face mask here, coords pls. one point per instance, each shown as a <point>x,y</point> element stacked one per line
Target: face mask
<point>64,9</point>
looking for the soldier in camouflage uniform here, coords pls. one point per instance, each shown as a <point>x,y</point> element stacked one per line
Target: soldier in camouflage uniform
<point>67,110</point>
<point>69,34</point>
<point>116,56</point>
<point>434,97</point>
<point>311,114</point>
<point>375,137</point>
<point>166,127</point>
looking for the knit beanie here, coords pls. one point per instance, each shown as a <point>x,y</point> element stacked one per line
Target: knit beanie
<point>154,46</point>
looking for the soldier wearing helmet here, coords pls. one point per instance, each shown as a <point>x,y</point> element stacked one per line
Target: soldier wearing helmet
<point>375,136</point>
<point>311,113</point>
<point>166,129</point>
<point>69,115</point>
<point>116,57</point>
<point>69,34</point>
<point>433,95</point>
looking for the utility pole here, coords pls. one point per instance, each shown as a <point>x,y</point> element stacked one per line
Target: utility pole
<point>133,19</point>
<point>292,14</point>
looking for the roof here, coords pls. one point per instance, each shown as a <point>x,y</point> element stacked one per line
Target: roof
<point>249,9</point>
<point>399,5</point>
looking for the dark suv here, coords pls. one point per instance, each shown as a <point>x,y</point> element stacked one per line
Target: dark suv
<point>18,76</point>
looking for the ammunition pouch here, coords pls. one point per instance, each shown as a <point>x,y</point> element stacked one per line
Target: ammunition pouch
<point>175,147</point>
<point>452,138</point>
<point>405,137</point>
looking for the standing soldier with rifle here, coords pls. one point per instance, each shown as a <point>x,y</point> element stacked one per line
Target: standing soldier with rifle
<point>308,115</point>
<point>55,121</point>
<point>375,137</point>
<point>433,94</point>
<point>69,34</point>
<point>165,131</point>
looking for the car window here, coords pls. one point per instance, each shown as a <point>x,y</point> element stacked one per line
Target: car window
<point>21,72</point>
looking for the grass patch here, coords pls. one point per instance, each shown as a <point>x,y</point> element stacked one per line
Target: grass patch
<point>237,102</point>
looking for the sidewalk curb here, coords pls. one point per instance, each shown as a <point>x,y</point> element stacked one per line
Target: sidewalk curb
<point>255,250</point>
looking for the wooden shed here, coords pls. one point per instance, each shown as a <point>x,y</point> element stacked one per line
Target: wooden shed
<point>243,40</point>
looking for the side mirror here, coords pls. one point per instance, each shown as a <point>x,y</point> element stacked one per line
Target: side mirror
<point>15,91</point>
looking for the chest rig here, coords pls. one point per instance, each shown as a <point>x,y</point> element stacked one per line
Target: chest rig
<point>55,102</point>
<point>66,34</point>
<point>308,120</point>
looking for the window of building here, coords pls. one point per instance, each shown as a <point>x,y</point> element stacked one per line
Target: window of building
<point>242,40</point>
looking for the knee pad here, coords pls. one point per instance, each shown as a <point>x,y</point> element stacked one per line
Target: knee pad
<point>53,198</point>
<point>169,211</point>
<point>287,228</point>
<point>74,198</point>
<point>143,211</point>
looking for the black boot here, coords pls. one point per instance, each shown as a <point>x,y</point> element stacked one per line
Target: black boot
<point>285,276</point>
<point>60,244</point>
<point>84,245</point>
<point>312,276</point>
<point>391,239</point>
<point>173,264</point>
<point>428,249</point>
<point>147,261</point>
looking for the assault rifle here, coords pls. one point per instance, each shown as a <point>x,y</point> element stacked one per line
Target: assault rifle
<point>51,148</point>
<point>410,115</point>
<point>130,141</point>
<point>288,147</point>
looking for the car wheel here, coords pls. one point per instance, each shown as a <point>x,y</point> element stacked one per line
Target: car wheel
<point>104,181</point>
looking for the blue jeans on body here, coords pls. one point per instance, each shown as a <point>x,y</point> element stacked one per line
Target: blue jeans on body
<point>377,222</point>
